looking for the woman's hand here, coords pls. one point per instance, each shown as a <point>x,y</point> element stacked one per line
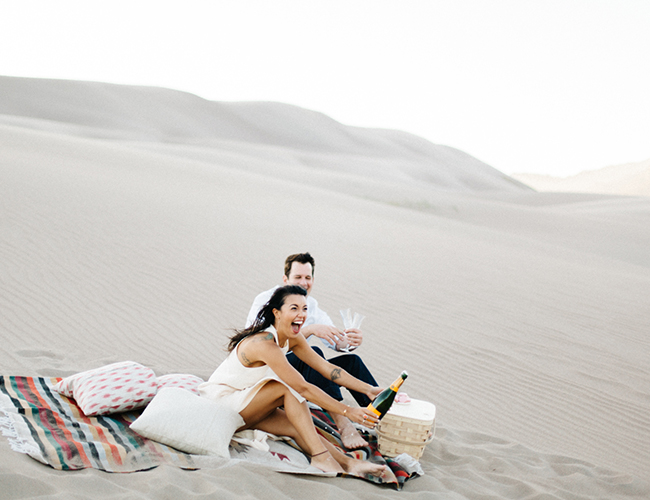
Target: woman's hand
<point>362,416</point>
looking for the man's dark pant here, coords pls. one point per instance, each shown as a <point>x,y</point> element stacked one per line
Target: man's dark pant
<point>351,363</point>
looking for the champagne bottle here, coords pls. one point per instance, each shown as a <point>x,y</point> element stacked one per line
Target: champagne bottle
<point>384,400</point>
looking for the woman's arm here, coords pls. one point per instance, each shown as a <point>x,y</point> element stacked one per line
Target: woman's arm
<point>331,372</point>
<point>263,350</point>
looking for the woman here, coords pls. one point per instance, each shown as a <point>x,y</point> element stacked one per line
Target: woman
<point>256,380</point>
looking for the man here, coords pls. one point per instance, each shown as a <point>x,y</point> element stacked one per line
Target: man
<point>299,270</point>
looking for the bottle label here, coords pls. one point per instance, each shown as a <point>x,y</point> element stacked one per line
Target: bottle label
<point>374,410</point>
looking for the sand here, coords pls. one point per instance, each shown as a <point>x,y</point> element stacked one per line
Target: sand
<point>139,223</point>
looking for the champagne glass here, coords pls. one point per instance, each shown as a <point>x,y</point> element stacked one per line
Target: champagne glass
<point>350,321</point>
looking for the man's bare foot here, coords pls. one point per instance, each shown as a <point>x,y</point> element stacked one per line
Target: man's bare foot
<point>350,436</point>
<point>325,462</point>
<point>359,467</point>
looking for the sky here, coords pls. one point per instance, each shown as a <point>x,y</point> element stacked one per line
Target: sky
<point>527,86</point>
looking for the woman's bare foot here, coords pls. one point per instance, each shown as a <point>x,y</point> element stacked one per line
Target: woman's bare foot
<point>325,462</point>
<point>359,467</point>
<point>350,436</point>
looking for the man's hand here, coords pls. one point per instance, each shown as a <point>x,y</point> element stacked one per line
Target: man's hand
<point>330,333</point>
<point>354,337</point>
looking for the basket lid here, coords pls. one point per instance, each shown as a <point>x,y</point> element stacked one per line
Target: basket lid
<point>416,409</point>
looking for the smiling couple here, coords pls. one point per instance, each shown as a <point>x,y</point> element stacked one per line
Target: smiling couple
<point>272,371</point>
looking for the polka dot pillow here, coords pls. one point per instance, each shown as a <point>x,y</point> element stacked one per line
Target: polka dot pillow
<point>110,389</point>
<point>181,381</point>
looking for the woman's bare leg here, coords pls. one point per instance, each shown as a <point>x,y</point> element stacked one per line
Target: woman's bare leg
<point>295,421</point>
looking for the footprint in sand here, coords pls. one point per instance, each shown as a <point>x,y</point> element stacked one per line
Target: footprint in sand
<point>38,353</point>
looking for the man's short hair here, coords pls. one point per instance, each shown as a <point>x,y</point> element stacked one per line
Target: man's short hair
<point>301,258</point>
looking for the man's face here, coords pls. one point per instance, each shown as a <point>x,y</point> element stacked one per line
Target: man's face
<point>301,275</point>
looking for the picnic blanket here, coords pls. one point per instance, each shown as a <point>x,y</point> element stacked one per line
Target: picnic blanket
<point>52,429</point>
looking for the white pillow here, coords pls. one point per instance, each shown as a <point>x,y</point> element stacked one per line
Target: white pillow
<point>110,389</point>
<point>188,422</point>
<point>184,381</point>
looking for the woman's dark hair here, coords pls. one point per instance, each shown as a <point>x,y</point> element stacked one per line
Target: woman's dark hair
<point>265,317</point>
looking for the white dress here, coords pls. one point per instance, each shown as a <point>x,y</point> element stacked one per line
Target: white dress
<point>235,385</point>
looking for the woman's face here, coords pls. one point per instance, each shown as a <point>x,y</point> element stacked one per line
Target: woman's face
<point>291,316</point>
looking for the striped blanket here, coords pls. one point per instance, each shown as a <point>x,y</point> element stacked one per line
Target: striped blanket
<point>52,429</point>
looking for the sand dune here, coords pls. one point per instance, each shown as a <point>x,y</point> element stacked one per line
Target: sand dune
<point>630,179</point>
<point>139,223</point>
<point>271,131</point>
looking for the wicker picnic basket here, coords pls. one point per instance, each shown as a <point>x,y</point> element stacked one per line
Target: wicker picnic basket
<point>407,428</point>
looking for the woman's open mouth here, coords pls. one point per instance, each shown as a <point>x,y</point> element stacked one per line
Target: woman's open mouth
<point>296,326</point>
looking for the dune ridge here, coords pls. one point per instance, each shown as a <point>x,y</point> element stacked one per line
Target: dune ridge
<point>168,116</point>
<point>523,316</point>
<point>629,179</point>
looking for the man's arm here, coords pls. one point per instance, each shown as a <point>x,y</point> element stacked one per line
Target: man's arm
<point>321,325</point>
